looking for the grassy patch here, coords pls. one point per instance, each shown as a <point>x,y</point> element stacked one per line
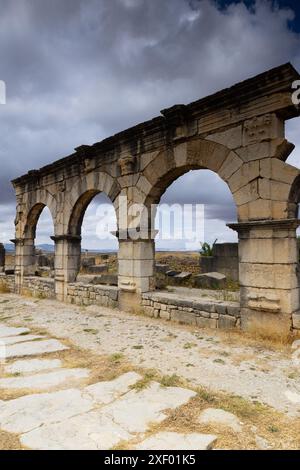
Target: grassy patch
<point>92,331</point>
<point>143,383</point>
<point>219,361</point>
<point>4,289</point>
<point>171,381</point>
<point>189,345</point>
<point>116,357</point>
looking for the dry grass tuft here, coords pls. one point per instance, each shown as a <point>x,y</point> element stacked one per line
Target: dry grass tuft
<point>4,289</point>
<point>9,441</point>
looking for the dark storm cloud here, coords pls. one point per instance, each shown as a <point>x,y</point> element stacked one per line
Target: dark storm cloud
<point>79,70</point>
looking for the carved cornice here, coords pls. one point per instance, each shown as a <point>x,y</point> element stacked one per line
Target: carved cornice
<point>69,238</point>
<point>273,88</point>
<point>263,224</point>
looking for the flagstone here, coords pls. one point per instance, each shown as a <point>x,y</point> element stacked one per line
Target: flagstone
<point>32,365</point>
<point>44,381</point>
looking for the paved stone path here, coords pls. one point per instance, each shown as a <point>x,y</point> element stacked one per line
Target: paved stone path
<point>97,416</point>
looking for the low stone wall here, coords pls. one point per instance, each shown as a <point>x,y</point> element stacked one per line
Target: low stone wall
<point>7,282</point>
<point>202,313</point>
<point>89,294</point>
<point>40,287</point>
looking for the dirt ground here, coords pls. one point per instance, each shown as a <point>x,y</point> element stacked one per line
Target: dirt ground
<point>259,383</point>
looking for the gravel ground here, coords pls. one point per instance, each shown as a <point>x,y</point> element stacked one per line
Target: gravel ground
<point>214,359</point>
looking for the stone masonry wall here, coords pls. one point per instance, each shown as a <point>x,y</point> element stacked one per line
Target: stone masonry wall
<point>7,282</point>
<point>79,294</point>
<point>35,286</point>
<point>40,287</point>
<point>202,313</point>
<point>88,294</point>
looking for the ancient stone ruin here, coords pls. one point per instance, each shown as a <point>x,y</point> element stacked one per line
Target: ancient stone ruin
<point>2,257</point>
<point>224,259</point>
<point>238,133</point>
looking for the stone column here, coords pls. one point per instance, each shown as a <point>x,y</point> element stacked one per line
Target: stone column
<point>24,261</point>
<point>2,257</point>
<point>136,269</point>
<point>67,262</point>
<point>268,274</point>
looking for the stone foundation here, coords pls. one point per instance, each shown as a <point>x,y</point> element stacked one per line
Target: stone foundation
<point>7,283</point>
<point>202,313</point>
<point>89,294</point>
<point>78,293</point>
<point>35,286</point>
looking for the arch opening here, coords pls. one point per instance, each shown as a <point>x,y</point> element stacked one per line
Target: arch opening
<point>39,248</point>
<point>194,206</point>
<point>93,219</point>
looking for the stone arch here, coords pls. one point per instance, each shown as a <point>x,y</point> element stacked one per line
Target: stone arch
<point>194,154</point>
<point>32,220</point>
<point>25,259</point>
<point>34,209</point>
<point>79,210</point>
<point>82,194</point>
<point>294,198</point>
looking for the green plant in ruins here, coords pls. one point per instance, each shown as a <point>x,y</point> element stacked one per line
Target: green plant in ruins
<point>207,249</point>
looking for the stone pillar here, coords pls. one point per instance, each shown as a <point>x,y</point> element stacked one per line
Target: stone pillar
<point>2,257</point>
<point>24,261</point>
<point>67,262</point>
<point>268,274</point>
<point>136,269</point>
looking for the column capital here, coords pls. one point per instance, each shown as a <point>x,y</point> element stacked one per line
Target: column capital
<point>67,237</point>
<point>21,241</point>
<point>277,224</point>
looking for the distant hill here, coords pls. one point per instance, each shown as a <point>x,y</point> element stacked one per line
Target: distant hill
<point>9,246</point>
<point>50,248</point>
<point>44,247</point>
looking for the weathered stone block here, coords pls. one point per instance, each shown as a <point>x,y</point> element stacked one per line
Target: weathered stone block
<point>233,310</point>
<point>277,276</point>
<point>226,322</point>
<point>165,314</point>
<point>183,317</point>
<point>221,308</point>
<point>210,280</point>
<point>180,154</point>
<point>296,321</point>
<point>262,128</point>
<point>231,138</point>
<point>162,268</point>
<point>247,172</point>
<point>202,313</point>
<point>247,193</point>
<point>206,322</point>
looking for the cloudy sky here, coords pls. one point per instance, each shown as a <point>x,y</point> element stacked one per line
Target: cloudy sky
<point>78,71</point>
